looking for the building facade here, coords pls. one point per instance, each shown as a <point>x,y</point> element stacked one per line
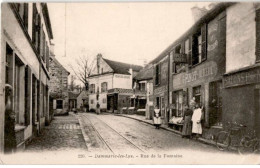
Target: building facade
<point>143,82</point>
<point>107,75</point>
<point>59,96</point>
<point>26,34</point>
<point>241,93</point>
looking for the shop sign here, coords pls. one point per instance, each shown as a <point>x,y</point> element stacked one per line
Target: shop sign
<point>122,76</point>
<point>242,78</point>
<point>204,72</point>
<point>180,58</point>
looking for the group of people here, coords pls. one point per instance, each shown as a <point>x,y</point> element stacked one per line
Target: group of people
<point>192,120</point>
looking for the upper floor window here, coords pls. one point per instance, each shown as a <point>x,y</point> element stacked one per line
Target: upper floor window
<point>22,9</point>
<point>36,27</point>
<point>142,86</point>
<point>104,87</point>
<point>157,74</point>
<point>177,67</point>
<point>199,46</point>
<point>92,88</point>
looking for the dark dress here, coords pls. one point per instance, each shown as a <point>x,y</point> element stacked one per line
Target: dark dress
<point>187,125</point>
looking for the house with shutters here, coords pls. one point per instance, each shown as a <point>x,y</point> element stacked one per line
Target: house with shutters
<point>26,35</point>
<point>110,84</point>
<point>58,87</point>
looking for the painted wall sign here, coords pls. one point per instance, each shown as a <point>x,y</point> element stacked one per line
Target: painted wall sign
<point>180,58</point>
<point>122,76</point>
<point>209,70</point>
<point>212,35</point>
<point>242,78</point>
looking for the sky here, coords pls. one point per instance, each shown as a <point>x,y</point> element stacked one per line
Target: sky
<point>129,32</point>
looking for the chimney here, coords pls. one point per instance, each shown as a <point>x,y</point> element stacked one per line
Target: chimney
<point>99,56</point>
<point>197,13</point>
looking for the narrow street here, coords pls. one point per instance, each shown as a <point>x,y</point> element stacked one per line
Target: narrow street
<point>90,136</point>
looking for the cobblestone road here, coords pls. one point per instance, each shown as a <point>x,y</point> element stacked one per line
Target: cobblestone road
<point>64,133</point>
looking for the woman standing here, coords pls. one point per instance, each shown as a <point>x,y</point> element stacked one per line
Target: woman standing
<point>196,121</point>
<point>187,125</point>
<point>157,117</point>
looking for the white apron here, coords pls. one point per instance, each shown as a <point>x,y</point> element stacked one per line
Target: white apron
<point>196,117</point>
<point>157,118</point>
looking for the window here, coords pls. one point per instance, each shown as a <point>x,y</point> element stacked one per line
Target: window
<point>199,46</point>
<point>104,87</point>
<point>177,67</point>
<point>197,94</point>
<point>257,35</point>
<point>59,104</point>
<point>92,88</point>
<point>178,100</point>
<point>142,86</point>
<point>157,74</point>
<point>22,9</point>
<point>215,103</point>
<point>197,50</point>
<point>36,27</point>
<point>18,94</point>
<point>91,101</point>
<point>47,56</point>
<point>104,100</point>
<point>43,45</point>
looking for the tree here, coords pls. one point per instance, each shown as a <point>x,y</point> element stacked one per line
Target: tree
<point>72,82</point>
<point>83,69</point>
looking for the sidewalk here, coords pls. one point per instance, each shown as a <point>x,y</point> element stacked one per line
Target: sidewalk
<point>165,127</point>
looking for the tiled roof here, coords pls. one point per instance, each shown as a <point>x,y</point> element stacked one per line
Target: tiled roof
<point>122,68</point>
<point>145,73</point>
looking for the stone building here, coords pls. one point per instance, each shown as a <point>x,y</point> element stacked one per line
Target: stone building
<point>107,79</point>
<point>59,98</point>
<point>25,41</point>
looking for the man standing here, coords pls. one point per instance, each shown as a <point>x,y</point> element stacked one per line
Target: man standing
<point>196,121</point>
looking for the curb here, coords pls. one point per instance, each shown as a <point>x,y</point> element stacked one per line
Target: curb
<point>86,138</point>
<point>201,140</point>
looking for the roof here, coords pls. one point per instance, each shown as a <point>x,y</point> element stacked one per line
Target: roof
<point>145,73</point>
<point>73,95</point>
<point>204,19</point>
<point>59,64</point>
<point>122,68</point>
<point>47,19</point>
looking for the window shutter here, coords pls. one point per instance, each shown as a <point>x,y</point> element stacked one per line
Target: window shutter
<point>204,42</point>
<point>154,75</point>
<point>34,25</point>
<point>54,104</point>
<point>160,68</point>
<point>258,35</point>
<point>190,51</point>
<point>25,15</point>
<point>28,84</point>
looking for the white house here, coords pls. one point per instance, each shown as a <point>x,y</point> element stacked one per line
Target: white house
<point>106,75</point>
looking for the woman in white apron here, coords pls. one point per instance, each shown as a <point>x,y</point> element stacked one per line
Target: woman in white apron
<point>196,121</point>
<point>157,117</point>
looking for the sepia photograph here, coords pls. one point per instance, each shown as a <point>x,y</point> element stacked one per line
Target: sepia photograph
<point>130,83</point>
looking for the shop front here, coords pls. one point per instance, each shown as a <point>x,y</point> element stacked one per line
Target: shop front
<point>241,100</point>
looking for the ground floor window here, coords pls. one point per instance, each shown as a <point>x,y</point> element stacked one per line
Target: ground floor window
<point>197,94</point>
<point>91,101</point>
<point>59,104</point>
<point>178,100</point>
<point>215,103</point>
